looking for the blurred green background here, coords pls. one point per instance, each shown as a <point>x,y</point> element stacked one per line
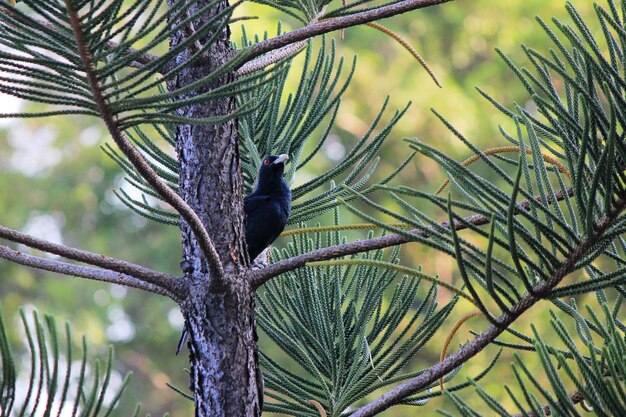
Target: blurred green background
<point>57,184</point>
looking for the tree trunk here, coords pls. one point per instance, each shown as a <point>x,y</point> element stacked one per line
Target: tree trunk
<point>219,313</point>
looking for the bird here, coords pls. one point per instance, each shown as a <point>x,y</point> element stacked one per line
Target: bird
<point>267,210</point>
<point>268,207</point>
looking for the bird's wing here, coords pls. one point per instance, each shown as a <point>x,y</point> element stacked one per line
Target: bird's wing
<point>252,202</point>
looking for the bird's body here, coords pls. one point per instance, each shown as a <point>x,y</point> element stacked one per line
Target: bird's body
<point>267,210</point>
<point>268,207</point>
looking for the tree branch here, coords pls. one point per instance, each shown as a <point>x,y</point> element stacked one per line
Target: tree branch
<point>281,45</point>
<point>145,274</point>
<point>141,60</point>
<point>137,159</point>
<point>270,58</point>
<point>260,276</point>
<point>486,337</point>
<point>133,155</point>
<point>276,55</point>
<point>337,23</point>
<point>283,42</point>
<point>83,271</point>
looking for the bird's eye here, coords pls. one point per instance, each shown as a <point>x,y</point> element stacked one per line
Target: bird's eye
<point>266,162</point>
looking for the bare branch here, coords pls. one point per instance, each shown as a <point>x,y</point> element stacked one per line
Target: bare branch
<point>145,274</point>
<point>337,23</point>
<point>138,160</point>
<point>260,276</point>
<point>83,271</point>
<point>486,337</point>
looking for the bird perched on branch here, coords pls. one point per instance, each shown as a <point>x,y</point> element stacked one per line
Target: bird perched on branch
<point>268,207</point>
<point>267,210</point>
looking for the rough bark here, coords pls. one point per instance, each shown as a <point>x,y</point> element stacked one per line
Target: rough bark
<point>219,313</point>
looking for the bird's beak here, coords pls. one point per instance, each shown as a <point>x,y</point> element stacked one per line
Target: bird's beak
<point>281,159</point>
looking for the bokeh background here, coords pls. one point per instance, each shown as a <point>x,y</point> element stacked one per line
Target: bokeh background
<point>56,183</point>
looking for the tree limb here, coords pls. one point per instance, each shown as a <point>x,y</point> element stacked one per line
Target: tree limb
<point>270,58</point>
<point>141,60</point>
<point>134,156</point>
<point>337,23</point>
<point>145,274</point>
<point>486,337</point>
<point>276,55</point>
<point>260,276</point>
<point>285,45</point>
<point>137,159</point>
<point>64,268</point>
<point>282,42</point>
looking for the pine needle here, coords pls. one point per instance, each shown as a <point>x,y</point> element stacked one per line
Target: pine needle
<point>399,268</point>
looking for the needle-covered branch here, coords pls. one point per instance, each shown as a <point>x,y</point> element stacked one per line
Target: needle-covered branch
<point>338,23</point>
<point>280,47</point>
<point>104,275</point>
<point>270,58</point>
<point>142,59</point>
<point>136,158</point>
<point>260,276</point>
<point>145,274</point>
<point>502,323</point>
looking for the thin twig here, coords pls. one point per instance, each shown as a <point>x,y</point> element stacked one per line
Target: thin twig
<point>337,23</point>
<point>490,334</point>
<point>64,268</point>
<point>259,277</point>
<point>160,279</point>
<point>138,160</point>
<point>408,47</point>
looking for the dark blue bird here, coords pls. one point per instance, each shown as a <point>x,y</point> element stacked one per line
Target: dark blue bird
<point>268,207</point>
<point>267,210</point>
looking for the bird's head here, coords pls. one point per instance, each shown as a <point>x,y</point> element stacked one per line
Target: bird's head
<point>272,170</point>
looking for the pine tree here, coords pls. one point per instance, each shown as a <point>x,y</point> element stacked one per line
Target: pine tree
<point>348,314</point>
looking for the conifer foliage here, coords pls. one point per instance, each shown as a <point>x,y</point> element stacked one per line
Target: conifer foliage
<point>348,316</point>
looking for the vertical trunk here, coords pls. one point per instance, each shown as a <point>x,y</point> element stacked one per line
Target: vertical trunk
<point>222,354</point>
<point>220,318</point>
